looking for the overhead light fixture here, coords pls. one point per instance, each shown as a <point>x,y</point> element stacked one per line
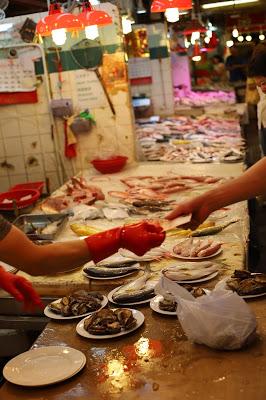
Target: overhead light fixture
<point>140,8</point>
<point>261,36</point>
<point>172,14</point>
<point>126,25</point>
<point>5,27</point>
<point>158,6</point>
<point>187,43</point>
<point>194,37</point>
<point>57,24</point>
<point>229,43</point>
<point>235,33</point>
<point>227,3</point>
<point>196,53</point>
<point>248,38</point>
<point>92,18</point>
<point>240,38</point>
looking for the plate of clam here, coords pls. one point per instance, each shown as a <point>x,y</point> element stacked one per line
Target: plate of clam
<point>167,305</point>
<point>110,323</point>
<point>76,305</point>
<point>246,284</point>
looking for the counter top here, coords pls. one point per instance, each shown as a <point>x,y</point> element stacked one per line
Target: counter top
<point>154,363</point>
<point>157,361</point>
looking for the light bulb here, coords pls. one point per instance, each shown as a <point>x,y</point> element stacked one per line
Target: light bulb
<point>229,43</point>
<point>126,25</point>
<point>209,33</point>
<point>187,43</point>
<point>172,14</point>
<point>248,38</point>
<point>91,32</point>
<point>195,36</point>
<point>240,38</point>
<point>235,33</point>
<point>207,40</point>
<point>59,36</point>
<point>196,58</point>
<point>261,36</point>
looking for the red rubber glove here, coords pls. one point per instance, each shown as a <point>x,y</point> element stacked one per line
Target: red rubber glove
<point>138,238</point>
<point>20,289</point>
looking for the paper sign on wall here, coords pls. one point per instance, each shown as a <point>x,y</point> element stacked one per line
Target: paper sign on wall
<point>16,76</point>
<point>88,90</point>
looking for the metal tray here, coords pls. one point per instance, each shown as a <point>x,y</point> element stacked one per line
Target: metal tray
<point>33,224</point>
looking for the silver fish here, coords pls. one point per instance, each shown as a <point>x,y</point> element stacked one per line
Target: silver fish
<point>116,261</point>
<point>136,290</point>
<point>106,272</point>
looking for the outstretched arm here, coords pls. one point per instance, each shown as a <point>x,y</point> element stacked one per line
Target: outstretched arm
<point>252,183</point>
<point>16,249</point>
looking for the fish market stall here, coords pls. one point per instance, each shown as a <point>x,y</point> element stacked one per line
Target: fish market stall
<point>147,354</point>
<point>210,138</point>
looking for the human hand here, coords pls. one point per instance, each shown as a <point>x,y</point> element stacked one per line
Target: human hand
<point>140,238</point>
<point>21,289</point>
<point>198,207</point>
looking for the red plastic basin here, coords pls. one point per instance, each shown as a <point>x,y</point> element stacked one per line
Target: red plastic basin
<point>29,185</point>
<point>110,165</point>
<point>18,195</point>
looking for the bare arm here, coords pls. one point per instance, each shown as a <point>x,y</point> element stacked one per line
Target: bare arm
<point>16,249</point>
<point>252,183</point>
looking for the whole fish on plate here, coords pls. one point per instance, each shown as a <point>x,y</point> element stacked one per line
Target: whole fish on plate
<point>190,271</point>
<point>115,261</point>
<point>108,272</point>
<point>136,290</point>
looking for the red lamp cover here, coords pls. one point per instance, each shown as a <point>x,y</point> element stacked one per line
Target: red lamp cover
<point>196,50</point>
<point>162,5</point>
<point>95,17</point>
<point>44,25</point>
<point>68,21</point>
<point>194,26</point>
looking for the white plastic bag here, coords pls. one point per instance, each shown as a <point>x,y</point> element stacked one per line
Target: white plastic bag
<point>221,319</point>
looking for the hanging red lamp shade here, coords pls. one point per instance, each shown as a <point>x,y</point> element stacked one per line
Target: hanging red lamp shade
<point>44,25</point>
<point>90,17</point>
<point>162,5</point>
<point>67,21</point>
<point>194,26</point>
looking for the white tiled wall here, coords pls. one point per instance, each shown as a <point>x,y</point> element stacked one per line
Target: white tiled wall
<point>25,142</point>
<point>112,134</point>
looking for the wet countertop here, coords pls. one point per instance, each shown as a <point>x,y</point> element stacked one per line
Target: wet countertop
<point>157,361</point>
<point>154,362</point>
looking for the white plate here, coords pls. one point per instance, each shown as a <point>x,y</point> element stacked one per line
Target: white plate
<point>44,366</point>
<point>53,315</point>
<point>136,314</point>
<point>110,298</point>
<point>203,279</point>
<point>108,278</point>
<point>197,258</point>
<point>154,304</point>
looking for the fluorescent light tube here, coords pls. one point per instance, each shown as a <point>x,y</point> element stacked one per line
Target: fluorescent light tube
<point>227,3</point>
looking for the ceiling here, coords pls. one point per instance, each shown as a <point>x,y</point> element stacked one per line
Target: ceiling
<point>22,7</point>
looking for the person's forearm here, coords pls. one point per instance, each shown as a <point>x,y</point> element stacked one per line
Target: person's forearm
<point>17,250</point>
<point>58,257</point>
<point>252,183</point>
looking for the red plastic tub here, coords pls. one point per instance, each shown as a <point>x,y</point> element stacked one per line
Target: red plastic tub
<point>110,165</point>
<point>29,185</point>
<point>24,198</point>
